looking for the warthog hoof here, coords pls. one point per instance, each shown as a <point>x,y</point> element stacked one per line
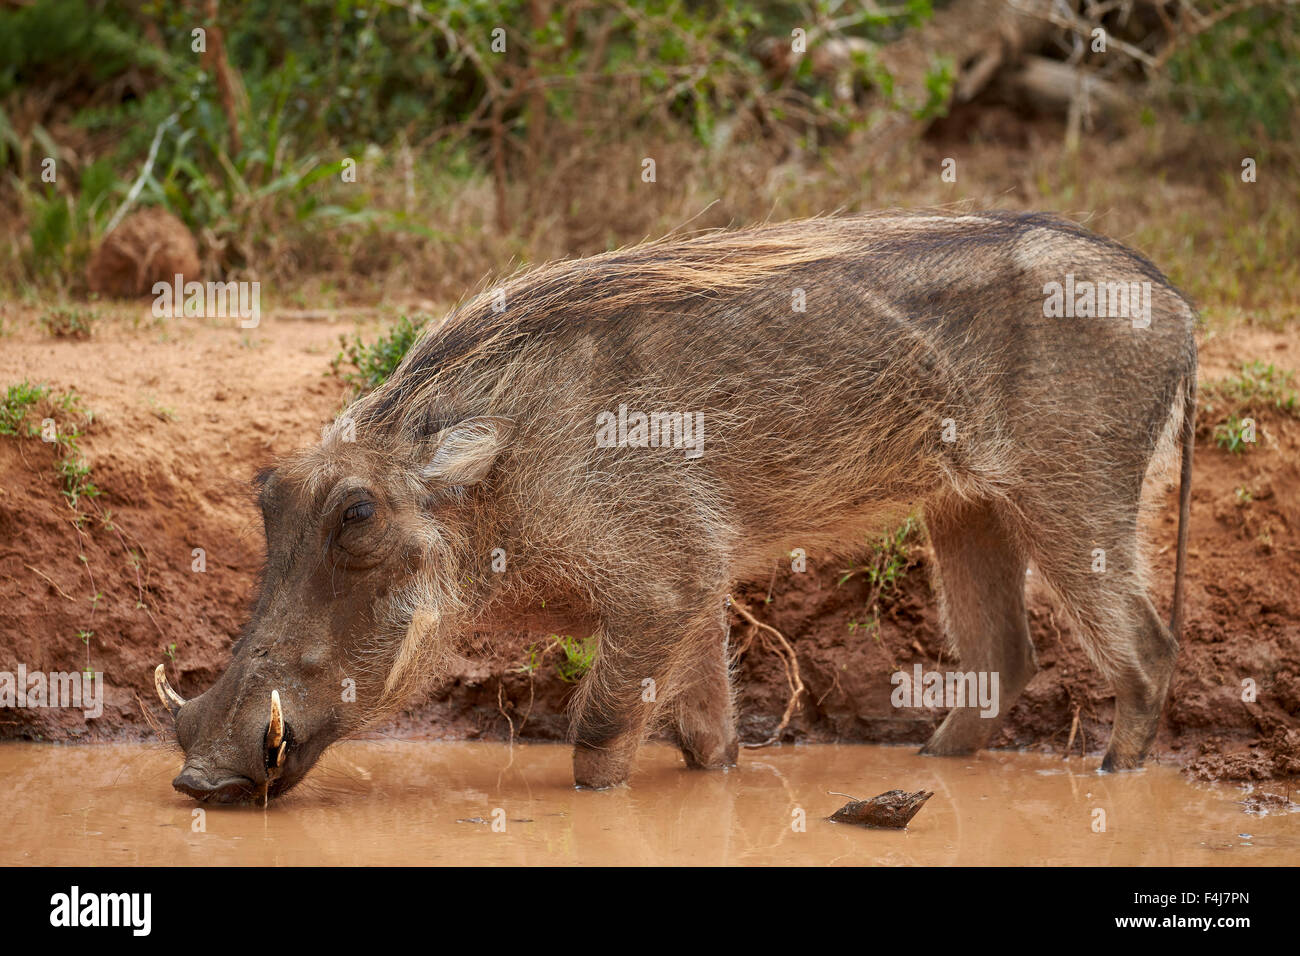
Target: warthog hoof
<point>716,757</point>
<point>1114,763</point>
<point>595,769</point>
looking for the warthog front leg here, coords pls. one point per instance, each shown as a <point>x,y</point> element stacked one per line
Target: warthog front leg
<point>639,656</point>
<point>612,709</point>
<point>704,708</point>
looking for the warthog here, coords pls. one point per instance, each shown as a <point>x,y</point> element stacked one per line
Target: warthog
<point>836,373</point>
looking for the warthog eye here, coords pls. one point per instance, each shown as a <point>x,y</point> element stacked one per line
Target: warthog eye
<point>359,512</point>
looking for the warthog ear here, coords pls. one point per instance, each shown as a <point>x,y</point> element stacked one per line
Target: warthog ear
<point>466,452</point>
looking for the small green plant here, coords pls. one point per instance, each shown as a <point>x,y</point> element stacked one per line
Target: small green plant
<point>891,556</point>
<point>170,653</point>
<point>84,636</point>
<point>69,322</point>
<point>164,413</point>
<point>1257,385</point>
<point>1231,435</point>
<point>18,401</point>
<point>76,477</point>
<point>532,662</point>
<point>872,626</point>
<point>17,419</point>
<point>369,366</point>
<point>579,655</point>
<point>889,561</point>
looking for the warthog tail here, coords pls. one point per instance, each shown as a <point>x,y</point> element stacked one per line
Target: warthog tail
<point>1184,502</point>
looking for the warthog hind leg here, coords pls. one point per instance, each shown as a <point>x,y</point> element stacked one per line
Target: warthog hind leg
<point>1096,575</point>
<point>1141,687</point>
<point>981,585</point>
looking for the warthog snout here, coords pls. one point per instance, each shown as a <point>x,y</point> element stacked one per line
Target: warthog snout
<point>199,784</point>
<point>234,755</point>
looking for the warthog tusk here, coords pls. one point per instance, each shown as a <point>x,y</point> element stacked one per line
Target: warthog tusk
<point>275,732</point>
<point>171,700</point>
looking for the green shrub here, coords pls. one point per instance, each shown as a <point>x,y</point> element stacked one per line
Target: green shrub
<point>367,366</point>
<point>1243,73</point>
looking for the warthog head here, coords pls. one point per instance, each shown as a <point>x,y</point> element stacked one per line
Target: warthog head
<point>365,564</point>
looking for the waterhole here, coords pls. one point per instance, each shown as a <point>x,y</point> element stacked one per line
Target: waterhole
<point>398,802</point>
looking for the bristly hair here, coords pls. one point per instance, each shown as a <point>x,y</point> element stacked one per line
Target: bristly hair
<point>669,275</point>
<point>662,275</point>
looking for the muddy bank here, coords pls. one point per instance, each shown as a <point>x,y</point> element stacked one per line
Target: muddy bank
<point>184,415</point>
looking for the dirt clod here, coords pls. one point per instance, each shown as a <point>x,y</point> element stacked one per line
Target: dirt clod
<point>148,246</point>
<point>892,809</point>
<point>1264,802</point>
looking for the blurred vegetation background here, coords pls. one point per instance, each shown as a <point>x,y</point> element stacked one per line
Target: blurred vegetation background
<point>491,133</point>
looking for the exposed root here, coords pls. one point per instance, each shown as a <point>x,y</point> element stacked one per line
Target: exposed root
<point>502,710</point>
<point>1074,729</point>
<point>51,580</point>
<point>790,660</point>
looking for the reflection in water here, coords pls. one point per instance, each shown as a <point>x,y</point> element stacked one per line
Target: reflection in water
<point>397,802</point>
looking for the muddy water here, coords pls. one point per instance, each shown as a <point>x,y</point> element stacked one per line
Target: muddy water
<point>434,803</point>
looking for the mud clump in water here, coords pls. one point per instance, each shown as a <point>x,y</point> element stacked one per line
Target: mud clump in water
<point>891,810</point>
<point>1269,803</point>
<point>1276,756</point>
